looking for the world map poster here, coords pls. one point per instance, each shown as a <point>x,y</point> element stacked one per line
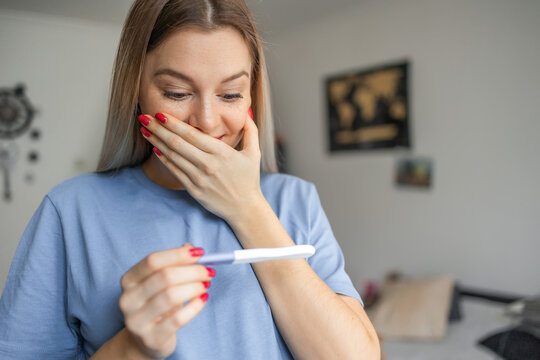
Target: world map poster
<point>369,109</point>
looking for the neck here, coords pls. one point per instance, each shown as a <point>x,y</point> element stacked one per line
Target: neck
<point>160,174</point>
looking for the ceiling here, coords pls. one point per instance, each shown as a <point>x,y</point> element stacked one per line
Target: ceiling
<point>273,16</point>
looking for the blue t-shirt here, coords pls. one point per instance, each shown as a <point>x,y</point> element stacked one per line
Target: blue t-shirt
<point>60,300</point>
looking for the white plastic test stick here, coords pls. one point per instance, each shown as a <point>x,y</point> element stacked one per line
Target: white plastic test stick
<point>257,255</point>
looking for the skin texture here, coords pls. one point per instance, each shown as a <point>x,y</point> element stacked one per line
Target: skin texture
<point>210,148</point>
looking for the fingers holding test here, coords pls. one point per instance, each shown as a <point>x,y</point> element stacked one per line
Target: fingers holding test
<point>157,261</point>
<point>167,287</point>
<point>164,304</point>
<point>165,280</point>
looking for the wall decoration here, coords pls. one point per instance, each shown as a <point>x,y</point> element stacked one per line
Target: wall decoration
<point>369,109</point>
<point>16,115</point>
<point>415,172</point>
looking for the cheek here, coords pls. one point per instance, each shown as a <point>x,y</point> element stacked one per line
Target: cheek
<point>235,120</point>
<point>150,101</point>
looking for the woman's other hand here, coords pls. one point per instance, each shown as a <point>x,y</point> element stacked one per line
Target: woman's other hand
<point>224,180</point>
<point>160,295</point>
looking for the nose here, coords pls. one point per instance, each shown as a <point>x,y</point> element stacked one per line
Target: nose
<point>204,117</point>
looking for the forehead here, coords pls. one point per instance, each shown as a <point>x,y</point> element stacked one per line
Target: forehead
<point>191,50</point>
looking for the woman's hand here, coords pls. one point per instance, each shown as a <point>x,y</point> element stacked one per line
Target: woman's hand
<point>154,293</point>
<point>224,180</point>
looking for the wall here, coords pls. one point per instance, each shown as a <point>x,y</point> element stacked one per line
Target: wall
<point>66,66</point>
<point>474,110</point>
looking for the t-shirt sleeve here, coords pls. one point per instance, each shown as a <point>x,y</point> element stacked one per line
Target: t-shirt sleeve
<point>328,261</point>
<point>33,317</point>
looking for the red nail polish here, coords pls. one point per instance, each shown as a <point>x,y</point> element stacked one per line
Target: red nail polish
<point>211,272</point>
<point>206,284</point>
<point>250,113</point>
<point>204,297</point>
<point>161,118</point>
<point>145,132</point>
<point>144,119</point>
<point>156,150</point>
<point>196,252</point>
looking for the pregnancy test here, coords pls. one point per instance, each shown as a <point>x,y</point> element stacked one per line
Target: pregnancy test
<point>257,255</point>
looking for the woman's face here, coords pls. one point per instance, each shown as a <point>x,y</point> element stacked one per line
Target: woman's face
<point>201,78</point>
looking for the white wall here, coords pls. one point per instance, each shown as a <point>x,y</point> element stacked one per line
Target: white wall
<point>66,66</point>
<point>475,94</point>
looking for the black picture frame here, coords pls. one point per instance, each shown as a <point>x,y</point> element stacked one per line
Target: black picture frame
<point>369,108</point>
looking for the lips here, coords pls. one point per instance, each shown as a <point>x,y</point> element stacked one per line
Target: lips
<point>219,137</point>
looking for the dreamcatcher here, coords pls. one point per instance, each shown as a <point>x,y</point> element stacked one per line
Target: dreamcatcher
<point>16,114</point>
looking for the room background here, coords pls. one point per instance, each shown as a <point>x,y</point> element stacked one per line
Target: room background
<point>474,94</point>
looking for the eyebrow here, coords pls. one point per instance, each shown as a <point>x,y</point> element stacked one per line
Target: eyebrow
<point>184,77</point>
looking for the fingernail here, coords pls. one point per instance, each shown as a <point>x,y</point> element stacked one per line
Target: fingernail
<point>144,119</point>
<point>196,252</point>
<point>206,284</point>
<point>211,272</point>
<point>161,118</point>
<point>156,150</point>
<point>145,132</point>
<point>250,113</point>
<point>204,297</point>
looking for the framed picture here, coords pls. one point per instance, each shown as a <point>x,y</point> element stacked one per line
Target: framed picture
<point>369,109</point>
<point>415,172</point>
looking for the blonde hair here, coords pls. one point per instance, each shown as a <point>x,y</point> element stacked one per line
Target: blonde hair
<point>148,23</point>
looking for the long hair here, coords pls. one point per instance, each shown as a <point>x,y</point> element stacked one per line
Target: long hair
<point>147,25</point>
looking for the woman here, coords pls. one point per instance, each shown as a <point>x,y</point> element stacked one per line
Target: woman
<point>106,266</point>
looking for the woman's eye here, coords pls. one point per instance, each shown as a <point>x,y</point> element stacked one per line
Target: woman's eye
<point>232,97</point>
<point>175,96</point>
<point>181,96</point>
